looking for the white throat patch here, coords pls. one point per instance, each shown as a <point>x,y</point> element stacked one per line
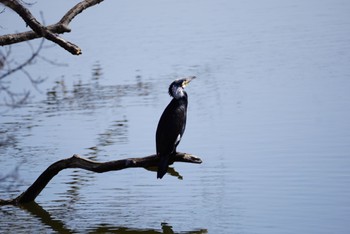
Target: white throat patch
<point>178,92</point>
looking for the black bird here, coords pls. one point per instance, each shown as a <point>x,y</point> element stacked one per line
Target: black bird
<point>172,124</point>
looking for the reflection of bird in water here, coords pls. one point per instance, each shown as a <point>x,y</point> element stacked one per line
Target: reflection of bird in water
<point>172,124</point>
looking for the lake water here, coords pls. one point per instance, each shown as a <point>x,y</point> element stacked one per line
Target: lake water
<point>268,115</point>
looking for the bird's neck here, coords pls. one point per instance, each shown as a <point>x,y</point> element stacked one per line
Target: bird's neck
<point>178,93</point>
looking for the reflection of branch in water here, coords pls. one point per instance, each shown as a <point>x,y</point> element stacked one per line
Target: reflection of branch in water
<point>171,171</point>
<point>166,229</point>
<point>75,184</point>
<point>58,226</point>
<point>55,224</point>
<point>116,133</point>
<point>11,180</point>
<point>92,96</point>
<point>97,71</point>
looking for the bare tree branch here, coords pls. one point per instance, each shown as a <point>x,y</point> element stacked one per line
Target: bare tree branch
<point>9,66</point>
<point>25,63</point>
<point>77,162</point>
<point>47,32</point>
<point>76,10</point>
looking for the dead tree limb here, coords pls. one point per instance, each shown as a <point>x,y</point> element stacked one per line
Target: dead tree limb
<point>78,162</point>
<point>40,30</point>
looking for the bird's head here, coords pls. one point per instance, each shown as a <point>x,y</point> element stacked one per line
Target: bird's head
<point>176,88</point>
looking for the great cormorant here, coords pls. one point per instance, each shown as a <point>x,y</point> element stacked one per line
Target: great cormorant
<point>172,124</point>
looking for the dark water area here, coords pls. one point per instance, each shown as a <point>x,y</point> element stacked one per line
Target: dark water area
<point>268,115</point>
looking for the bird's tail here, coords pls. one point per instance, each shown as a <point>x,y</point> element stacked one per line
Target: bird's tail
<point>162,166</point>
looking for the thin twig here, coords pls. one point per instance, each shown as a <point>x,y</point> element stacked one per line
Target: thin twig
<point>28,61</point>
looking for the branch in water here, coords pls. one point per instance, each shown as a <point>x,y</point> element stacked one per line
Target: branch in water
<point>100,167</point>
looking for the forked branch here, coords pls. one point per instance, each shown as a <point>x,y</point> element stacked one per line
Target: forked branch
<point>78,162</point>
<point>39,30</point>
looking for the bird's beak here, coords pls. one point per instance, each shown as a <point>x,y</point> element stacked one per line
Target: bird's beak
<point>187,81</point>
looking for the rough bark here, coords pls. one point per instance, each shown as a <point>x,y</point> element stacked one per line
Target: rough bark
<point>39,30</point>
<point>100,167</point>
